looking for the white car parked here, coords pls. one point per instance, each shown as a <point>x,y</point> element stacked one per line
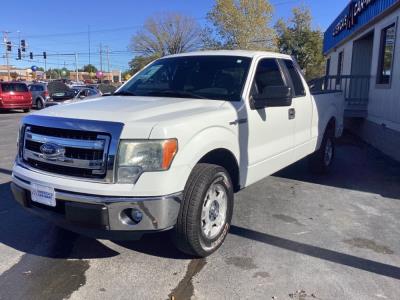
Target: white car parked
<point>171,147</point>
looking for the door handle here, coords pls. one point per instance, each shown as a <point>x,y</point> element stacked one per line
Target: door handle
<point>292,113</point>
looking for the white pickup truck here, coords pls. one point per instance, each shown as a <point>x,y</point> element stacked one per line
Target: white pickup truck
<point>170,148</point>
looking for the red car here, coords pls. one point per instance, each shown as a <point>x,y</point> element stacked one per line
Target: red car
<point>15,95</point>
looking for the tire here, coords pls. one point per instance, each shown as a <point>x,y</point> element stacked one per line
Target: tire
<point>39,104</point>
<point>321,161</point>
<point>204,220</point>
<point>26,110</point>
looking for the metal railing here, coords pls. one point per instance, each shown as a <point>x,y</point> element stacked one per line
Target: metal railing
<point>355,88</point>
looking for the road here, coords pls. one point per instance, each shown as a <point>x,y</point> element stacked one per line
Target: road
<point>294,236</point>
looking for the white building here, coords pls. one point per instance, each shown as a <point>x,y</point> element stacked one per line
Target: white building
<point>363,59</point>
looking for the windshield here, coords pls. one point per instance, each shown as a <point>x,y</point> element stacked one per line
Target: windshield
<point>209,77</point>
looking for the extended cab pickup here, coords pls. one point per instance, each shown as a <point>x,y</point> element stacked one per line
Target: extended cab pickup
<point>171,147</point>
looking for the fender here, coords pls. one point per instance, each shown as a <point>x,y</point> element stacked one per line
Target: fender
<point>325,115</point>
<point>203,142</point>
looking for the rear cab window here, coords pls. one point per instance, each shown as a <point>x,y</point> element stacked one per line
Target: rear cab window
<point>7,87</point>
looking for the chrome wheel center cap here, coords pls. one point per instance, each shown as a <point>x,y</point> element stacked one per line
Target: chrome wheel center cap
<point>214,211</point>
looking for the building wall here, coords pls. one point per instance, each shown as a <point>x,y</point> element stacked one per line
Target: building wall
<point>382,126</point>
<point>384,103</point>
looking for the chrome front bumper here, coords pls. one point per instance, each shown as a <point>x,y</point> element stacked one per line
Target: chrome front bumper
<point>102,216</point>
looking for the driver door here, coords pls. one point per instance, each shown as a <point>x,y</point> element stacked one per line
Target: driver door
<point>270,129</point>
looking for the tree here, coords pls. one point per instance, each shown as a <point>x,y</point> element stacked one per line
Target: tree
<point>167,34</point>
<point>89,68</point>
<point>241,24</point>
<point>139,62</point>
<point>297,38</point>
<point>57,73</point>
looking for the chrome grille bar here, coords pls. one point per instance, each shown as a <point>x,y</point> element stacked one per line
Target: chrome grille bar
<point>66,142</point>
<point>68,162</point>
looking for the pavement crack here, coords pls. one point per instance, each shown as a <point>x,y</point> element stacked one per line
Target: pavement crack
<point>185,288</point>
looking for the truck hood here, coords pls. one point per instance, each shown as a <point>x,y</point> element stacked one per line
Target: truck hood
<point>139,114</point>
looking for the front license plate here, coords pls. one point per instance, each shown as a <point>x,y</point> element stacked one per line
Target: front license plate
<point>43,194</point>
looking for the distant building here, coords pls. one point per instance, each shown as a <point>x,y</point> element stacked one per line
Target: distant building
<point>15,73</point>
<point>113,76</point>
<point>363,59</point>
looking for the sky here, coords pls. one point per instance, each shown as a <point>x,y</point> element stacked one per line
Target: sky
<point>61,27</point>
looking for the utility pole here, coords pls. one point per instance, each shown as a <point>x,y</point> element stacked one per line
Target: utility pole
<point>108,63</point>
<point>76,67</point>
<point>5,39</point>
<point>101,57</point>
<point>101,60</point>
<point>89,41</point>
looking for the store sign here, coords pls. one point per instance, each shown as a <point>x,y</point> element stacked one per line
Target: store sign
<point>350,19</point>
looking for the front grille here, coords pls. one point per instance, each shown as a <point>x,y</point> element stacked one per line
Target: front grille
<point>69,151</point>
<point>66,152</point>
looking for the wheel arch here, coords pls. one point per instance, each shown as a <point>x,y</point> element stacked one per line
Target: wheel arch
<point>226,159</point>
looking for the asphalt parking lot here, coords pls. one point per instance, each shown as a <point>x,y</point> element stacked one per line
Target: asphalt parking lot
<point>294,236</point>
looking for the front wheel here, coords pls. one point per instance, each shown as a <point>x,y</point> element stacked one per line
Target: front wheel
<point>206,211</point>
<point>321,161</point>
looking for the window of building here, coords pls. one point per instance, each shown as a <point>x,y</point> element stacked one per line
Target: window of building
<point>386,55</point>
<point>340,66</point>
<point>328,66</point>
<point>298,86</point>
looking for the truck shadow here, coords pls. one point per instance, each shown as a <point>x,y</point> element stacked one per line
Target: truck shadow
<point>357,166</point>
<point>318,252</point>
<point>30,234</point>
<point>156,244</point>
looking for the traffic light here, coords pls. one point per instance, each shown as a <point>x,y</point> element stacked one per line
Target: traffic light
<point>30,55</point>
<point>19,54</point>
<point>23,46</point>
<point>44,55</point>
<point>8,46</point>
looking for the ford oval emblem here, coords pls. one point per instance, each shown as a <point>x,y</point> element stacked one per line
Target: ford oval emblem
<point>52,150</point>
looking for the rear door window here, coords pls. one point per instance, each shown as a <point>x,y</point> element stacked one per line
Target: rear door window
<point>14,87</point>
<point>298,86</point>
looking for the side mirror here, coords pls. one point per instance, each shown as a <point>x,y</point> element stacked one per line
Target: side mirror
<point>272,96</point>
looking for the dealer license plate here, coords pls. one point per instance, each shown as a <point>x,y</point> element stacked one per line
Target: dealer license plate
<point>43,194</point>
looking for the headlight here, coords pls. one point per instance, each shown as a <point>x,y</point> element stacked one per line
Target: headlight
<point>136,157</point>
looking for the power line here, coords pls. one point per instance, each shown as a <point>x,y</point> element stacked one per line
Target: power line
<point>123,28</point>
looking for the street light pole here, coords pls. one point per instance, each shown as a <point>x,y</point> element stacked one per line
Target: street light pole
<point>108,63</point>
<point>76,67</point>
<point>5,39</point>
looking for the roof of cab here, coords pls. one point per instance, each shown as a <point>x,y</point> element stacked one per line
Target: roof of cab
<point>244,53</point>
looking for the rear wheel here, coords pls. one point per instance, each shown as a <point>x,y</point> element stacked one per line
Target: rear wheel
<point>321,161</point>
<point>206,211</point>
<point>39,104</point>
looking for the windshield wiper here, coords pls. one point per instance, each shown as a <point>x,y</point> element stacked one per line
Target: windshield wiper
<point>124,93</point>
<point>185,94</point>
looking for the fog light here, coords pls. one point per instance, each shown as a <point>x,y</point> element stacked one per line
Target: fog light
<point>131,216</point>
<point>136,215</point>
